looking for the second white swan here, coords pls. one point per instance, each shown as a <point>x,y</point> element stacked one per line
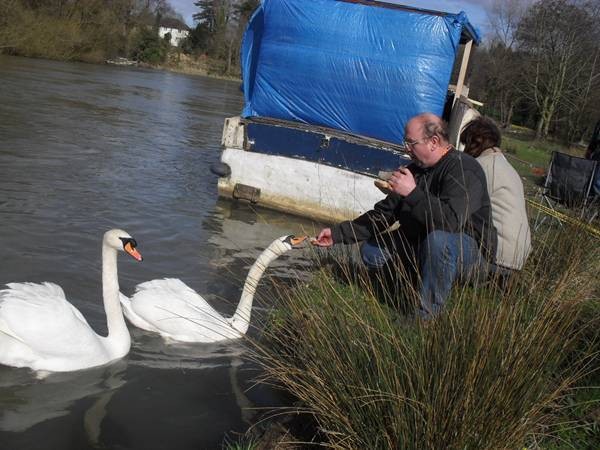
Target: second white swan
<point>175,311</point>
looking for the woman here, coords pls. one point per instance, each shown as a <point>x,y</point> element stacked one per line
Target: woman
<point>481,138</point>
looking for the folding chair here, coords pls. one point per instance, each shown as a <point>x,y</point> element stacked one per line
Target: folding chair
<point>570,181</point>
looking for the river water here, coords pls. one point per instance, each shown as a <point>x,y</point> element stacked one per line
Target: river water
<point>86,148</point>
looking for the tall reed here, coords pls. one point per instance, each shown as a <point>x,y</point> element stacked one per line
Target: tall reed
<point>486,373</point>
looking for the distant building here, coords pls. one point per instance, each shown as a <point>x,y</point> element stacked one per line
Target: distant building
<point>175,27</point>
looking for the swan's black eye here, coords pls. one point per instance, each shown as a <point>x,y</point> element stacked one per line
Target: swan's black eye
<point>129,241</point>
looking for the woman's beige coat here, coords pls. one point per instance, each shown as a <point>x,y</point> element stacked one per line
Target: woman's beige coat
<point>509,213</point>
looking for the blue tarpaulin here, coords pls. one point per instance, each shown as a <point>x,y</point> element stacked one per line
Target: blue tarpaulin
<point>346,65</point>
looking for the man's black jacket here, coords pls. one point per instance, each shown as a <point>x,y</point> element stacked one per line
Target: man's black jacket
<point>450,196</point>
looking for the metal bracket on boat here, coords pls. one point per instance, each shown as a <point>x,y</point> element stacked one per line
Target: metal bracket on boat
<point>245,192</point>
<point>324,142</point>
<point>249,144</point>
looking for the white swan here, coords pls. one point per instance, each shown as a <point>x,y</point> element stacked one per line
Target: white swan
<point>41,330</point>
<point>175,311</point>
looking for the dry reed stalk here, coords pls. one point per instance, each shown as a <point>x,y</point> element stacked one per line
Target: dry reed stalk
<point>485,374</point>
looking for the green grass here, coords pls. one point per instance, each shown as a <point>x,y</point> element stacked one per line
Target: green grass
<point>531,157</point>
<point>529,151</point>
<point>243,444</point>
<point>577,422</point>
<point>578,425</point>
<point>496,370</point>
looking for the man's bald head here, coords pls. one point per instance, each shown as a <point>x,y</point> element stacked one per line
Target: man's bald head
<point>426,138</point>
<point>432,125</point>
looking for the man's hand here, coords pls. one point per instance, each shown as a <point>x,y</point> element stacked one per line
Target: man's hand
<point>402,181</point>
<point>324,238</point>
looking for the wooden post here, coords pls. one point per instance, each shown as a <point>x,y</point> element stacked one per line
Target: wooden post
<point>463,71</point>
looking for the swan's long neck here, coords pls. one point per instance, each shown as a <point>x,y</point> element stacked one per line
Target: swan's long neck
<point>241,318</point>
<point>118,340</point>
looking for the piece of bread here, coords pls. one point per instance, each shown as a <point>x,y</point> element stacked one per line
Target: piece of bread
<point>383,186</point>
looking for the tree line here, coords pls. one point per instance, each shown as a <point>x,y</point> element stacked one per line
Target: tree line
<point>95,30</point>
<point>83,30</point>
<point>541,67</point>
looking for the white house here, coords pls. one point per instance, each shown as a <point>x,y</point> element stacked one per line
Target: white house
<point>175,27</point>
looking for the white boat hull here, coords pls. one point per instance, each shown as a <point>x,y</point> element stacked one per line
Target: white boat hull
<point>299,187</point>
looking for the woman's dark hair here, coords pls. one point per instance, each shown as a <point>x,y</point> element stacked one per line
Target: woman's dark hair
<point>479,135</point>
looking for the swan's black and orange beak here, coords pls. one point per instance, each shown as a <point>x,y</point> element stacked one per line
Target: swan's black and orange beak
<point>296,242</point>
<point>129,245</point>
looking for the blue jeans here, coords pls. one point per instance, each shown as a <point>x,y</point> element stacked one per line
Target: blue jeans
<point>442,257</point>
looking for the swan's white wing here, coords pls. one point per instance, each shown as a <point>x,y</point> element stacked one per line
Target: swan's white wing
<point>175,310</point>
<point>133,317</point>
<point>40,318</point>
<point>23,305</point>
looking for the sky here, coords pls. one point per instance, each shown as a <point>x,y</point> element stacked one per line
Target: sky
<point>475,9</point>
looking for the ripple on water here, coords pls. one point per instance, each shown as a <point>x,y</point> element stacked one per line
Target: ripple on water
<point>152,351</point>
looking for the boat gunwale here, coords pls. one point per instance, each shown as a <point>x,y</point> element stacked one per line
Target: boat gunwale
<point>350,137</point>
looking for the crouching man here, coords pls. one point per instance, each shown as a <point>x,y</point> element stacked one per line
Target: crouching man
<point>443,208</point>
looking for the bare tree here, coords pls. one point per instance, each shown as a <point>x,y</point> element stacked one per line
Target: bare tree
<point>504,17</point>
<point>497,79</point>
<point>553,35</point>
<point>242,13</point>
<point>583,100</point>
<point>224,22</point>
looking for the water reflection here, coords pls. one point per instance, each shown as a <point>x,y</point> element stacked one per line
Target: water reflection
<point>243,231</point>
<point>152,351</point>
<point>29,399</point>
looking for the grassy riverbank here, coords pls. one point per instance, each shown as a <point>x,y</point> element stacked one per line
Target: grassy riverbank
<point>515,368</point>
<point>499,369</point>
<point>93,32</point>
<point>179,62</point>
